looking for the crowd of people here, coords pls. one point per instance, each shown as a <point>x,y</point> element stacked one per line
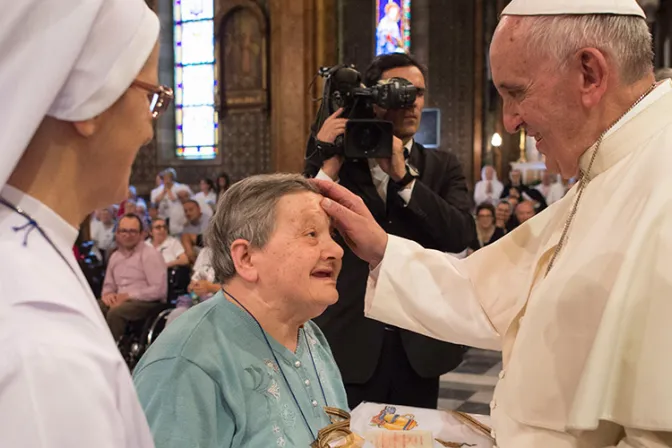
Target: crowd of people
<point>500,208</point>
<point>137,243</point>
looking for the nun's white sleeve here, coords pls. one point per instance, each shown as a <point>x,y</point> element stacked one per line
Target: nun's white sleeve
<point>56,397</point>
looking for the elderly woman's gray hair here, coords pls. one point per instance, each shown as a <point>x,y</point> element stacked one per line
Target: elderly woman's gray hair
<point>247,211</point>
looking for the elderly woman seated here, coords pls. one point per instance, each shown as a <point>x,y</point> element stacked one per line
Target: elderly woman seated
<point>248,368</point>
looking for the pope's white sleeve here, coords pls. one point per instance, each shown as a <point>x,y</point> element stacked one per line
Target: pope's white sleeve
<point>430,293</point>
<point>55,397</point>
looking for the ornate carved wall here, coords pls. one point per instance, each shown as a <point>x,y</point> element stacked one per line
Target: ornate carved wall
<point>243,96</point>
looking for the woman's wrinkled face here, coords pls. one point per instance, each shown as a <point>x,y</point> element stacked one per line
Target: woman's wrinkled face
<point>301,262</point>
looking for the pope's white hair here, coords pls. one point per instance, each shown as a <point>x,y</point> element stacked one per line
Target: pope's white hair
<point>625,40</point>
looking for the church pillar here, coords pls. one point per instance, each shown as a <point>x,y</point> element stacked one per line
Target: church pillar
<point>303,37</point>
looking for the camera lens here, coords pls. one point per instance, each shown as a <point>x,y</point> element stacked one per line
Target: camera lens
<point>367,138</point>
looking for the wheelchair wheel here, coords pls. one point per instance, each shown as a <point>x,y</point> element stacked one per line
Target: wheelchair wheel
<point>157,326</point>
<point>137,339</point>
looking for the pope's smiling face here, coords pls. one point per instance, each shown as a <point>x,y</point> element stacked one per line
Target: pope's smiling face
<point>540,97</point>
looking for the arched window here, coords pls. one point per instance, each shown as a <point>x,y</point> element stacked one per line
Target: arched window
<point>195,115</point>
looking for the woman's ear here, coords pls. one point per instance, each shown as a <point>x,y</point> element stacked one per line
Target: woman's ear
<point>242,260</point>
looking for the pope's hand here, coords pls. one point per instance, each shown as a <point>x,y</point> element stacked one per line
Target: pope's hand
<point>354,221</point>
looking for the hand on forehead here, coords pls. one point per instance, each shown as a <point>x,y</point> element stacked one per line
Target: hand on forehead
<point>303,208</point>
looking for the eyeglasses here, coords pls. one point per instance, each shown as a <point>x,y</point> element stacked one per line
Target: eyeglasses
<point>159,96</point>
<point>158,227</point>
<point>128,231</point>
<point>485,216</point>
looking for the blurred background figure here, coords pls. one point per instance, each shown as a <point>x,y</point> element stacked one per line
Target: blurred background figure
<point>489,188</point>
<point>202,286</point>
<point>524,211</point>
<point>503,213</point>
<point>166,198</point>
<point>102,233</point>
<point>132,196</point>
<point>169,247</point>
<point>208,193</point>
<point>515,181</point>
<point>550,188</point>
<point>223,184</point>
<point>486,230</point>
<point>196,222</point>
<point>153,212</point>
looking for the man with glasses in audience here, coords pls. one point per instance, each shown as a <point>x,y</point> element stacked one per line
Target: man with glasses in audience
<point>136,279</point>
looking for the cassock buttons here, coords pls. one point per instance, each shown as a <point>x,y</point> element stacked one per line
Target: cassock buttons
<point>502,374</point>
<point>297,364</point>
<point>314,403</point>
<point>307,382</point>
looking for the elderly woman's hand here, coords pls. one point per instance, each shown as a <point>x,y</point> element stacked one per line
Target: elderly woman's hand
<point>201,287</point>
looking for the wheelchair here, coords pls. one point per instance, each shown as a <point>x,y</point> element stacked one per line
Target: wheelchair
<point>92,268</point>
<point>140,335</point>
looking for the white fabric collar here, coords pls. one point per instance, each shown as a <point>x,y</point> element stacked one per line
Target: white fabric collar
<point>56,228</point>
<point>615,145</point>
<point>409,145</point>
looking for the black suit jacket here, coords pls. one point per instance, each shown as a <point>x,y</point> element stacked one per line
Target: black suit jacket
<point>437,217</point>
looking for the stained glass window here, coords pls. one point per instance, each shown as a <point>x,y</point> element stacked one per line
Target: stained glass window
<point>195,116</point>
<point>393,26</point>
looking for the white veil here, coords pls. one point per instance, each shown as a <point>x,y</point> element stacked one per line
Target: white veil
<point>69,59</point>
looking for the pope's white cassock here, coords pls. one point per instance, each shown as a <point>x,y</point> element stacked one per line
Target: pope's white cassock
<point>587,350</point>
<point>63,383</point>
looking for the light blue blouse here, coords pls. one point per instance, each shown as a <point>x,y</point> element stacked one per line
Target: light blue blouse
<point>210,380</point>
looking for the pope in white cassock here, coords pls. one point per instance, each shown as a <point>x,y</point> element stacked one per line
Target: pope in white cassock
<point>579,298</point>
<point>78,87</point>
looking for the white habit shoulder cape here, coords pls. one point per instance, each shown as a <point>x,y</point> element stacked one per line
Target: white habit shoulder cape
<point>596,342</point>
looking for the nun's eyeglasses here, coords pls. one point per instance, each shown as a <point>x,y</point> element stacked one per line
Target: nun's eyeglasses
<point>159,96</point>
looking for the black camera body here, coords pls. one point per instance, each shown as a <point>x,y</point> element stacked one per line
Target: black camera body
<point>365,136</point>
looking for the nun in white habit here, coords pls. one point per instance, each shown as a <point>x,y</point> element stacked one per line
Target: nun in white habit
<point>78,82</point>
<point>578,301</point>
<point>489,188</point>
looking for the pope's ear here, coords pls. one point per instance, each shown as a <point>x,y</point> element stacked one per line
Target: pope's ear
<point>86,128</point>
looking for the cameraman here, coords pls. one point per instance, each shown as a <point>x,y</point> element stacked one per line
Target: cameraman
<point>417,194</point>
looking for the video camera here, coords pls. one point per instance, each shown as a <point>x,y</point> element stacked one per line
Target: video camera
<point>365,136</point>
